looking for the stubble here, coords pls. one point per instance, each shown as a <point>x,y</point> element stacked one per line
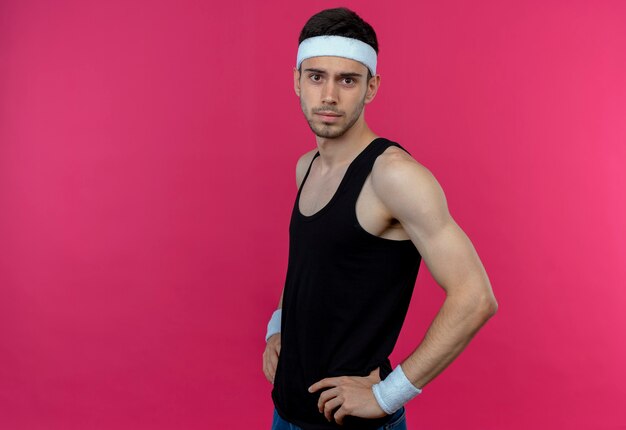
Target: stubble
<point>330,131</point>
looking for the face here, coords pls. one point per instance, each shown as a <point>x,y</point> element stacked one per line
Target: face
<point>333,92</point>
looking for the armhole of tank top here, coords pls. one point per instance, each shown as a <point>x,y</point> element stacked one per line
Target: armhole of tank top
<point>306,175</point>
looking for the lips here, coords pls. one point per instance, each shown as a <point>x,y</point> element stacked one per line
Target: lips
<point>327,116</point>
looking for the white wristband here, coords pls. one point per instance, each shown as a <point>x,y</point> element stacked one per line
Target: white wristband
<point>394,391</point>
<point>273,326</point>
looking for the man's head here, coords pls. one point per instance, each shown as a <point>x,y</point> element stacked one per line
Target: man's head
<point>336,70</point>
<point>340,22</point>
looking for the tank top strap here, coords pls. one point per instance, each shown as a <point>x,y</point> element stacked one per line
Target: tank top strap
<point>365,163</point>
<point>308,170</point>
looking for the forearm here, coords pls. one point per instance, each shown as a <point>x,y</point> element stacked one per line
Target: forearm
<point>458,320</point>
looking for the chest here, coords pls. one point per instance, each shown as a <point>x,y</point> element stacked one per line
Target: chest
<point>318,191</point>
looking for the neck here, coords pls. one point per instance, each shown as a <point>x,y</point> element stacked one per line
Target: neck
<point>340,151</point>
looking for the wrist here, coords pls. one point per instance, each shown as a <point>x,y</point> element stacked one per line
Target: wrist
<point>394,391</point>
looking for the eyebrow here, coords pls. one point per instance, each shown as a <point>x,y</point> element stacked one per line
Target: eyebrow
<point>341,74</point>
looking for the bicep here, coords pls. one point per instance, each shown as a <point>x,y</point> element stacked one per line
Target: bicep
<point>415,198</point>
<point>449,255</point>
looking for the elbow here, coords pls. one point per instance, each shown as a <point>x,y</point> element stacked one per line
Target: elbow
<point>489,307</point>
<point>488,303</point>
<point>479,302</point>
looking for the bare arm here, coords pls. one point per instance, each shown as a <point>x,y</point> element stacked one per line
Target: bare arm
<point>414,197</point>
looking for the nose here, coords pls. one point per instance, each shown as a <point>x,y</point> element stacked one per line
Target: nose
<point>329,92</point>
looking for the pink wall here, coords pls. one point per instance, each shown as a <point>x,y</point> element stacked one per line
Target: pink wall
<point>147,153</point>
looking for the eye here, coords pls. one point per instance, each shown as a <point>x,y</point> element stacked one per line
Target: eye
<point>315,78</point>
<point>348,81</point>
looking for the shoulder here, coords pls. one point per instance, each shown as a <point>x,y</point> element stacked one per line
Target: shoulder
<point>397,168</point>
<point>402,183</point>
<point>303,164</point>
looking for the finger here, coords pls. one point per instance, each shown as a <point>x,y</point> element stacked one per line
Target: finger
<point>339,415</point>
<point>273,359</point>
<point>326,396</point>
<point>272,363</point>
<point>272,373</point>
<point>266,369</point>
<point>326,382</point>
<point>267,374</point>
<point>269,368</point>
<point>330,406</point>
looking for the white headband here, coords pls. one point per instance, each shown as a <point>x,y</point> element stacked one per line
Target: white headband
<point>337,46</point>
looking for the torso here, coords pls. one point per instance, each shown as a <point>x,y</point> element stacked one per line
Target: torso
<point>371,213</point>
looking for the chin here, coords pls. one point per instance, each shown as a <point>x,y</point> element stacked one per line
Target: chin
<point>326,131</point>
<point>328,134</point>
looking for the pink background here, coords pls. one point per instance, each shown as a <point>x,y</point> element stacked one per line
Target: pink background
<point>147,154</point>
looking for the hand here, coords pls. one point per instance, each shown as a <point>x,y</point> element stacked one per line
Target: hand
<point>270,356</point>
<point>353,395</point>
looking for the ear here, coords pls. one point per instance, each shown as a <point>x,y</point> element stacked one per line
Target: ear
<point>372,88</point>
<point>296,81</point>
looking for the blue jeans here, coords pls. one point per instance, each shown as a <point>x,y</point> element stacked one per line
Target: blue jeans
<point>397,422</point>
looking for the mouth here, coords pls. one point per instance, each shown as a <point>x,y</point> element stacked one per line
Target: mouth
<point>327,115</point>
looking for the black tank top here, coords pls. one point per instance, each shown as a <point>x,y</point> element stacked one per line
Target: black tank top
<point>346,295</point>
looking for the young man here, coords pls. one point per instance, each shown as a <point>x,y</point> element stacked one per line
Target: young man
<point>365,215</point>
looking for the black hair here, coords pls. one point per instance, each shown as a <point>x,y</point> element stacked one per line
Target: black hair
<point>340,21</point>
